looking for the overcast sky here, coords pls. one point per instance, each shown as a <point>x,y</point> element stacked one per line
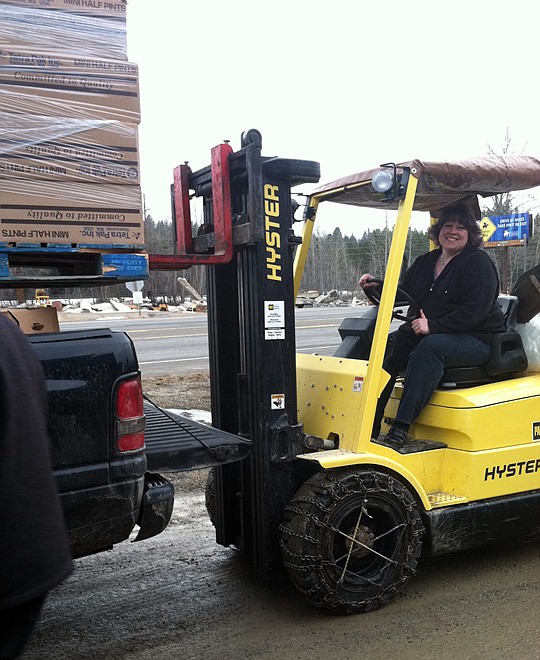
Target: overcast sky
<point>349,83</point>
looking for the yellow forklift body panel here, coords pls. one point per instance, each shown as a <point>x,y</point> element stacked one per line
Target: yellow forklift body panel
<point>491,433</point>
<point>331,395</point>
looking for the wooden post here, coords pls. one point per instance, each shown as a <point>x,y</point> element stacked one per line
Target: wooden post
<point>504,280</point>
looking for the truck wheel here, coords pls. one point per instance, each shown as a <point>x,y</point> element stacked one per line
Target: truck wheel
<point>351,539</point>
<point>210,496</point>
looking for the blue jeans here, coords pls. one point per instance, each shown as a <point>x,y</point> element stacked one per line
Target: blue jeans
<point>424,359</point>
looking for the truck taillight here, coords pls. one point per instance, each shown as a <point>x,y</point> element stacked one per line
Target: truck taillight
<point>130,421</point>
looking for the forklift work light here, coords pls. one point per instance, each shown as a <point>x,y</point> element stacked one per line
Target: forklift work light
<point>382,181</point>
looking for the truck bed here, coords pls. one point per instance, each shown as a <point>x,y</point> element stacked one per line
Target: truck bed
<point>175,443</point>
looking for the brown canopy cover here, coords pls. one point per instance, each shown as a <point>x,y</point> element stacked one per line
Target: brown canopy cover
<point>442,183</point>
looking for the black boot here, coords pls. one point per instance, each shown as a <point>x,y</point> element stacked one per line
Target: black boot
<point>397,435</point>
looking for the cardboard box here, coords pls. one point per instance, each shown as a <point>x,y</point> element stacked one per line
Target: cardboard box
<point>62,149</point>
<point>38,83</point>
<point>49,212</point>
<point>62,33</point>
<point>34,321</point>
<point>113,8</point>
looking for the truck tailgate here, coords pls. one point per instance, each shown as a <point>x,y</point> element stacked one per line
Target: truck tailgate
<point>175,443</point>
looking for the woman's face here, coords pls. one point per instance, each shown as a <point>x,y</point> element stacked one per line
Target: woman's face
<point>453,237</point>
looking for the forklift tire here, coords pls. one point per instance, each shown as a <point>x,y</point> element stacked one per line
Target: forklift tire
<point>210,496</point>
<point>351,539</point>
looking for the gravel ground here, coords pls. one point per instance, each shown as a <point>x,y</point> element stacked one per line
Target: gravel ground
<point>180,595</point>
<point>188,392</point>
<point>191,391</point>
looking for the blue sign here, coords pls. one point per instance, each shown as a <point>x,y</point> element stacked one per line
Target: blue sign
<point>507,229</point>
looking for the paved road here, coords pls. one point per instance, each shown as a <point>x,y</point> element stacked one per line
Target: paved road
<point>180,344</point>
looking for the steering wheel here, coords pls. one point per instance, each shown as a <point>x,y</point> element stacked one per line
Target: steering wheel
<point>374,296</point>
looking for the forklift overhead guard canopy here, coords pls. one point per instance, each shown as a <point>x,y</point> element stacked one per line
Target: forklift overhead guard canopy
<point>440,183</point>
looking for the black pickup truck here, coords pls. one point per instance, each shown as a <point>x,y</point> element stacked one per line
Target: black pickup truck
<point>108,443</point>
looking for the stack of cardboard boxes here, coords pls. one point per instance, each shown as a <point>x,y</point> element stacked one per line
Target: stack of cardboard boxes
<point>69,115</point>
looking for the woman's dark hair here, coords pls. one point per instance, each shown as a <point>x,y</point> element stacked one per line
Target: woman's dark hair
<point>458,213</point>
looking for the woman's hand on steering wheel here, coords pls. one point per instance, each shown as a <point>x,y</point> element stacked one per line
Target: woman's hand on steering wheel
<point>367,281</point>
<point>420,325</point>
<point>372,287</point>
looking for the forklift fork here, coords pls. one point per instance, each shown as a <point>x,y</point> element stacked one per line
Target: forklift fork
<point>222,250</point>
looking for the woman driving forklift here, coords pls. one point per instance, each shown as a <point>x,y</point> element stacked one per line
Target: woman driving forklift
<point>456,287</point>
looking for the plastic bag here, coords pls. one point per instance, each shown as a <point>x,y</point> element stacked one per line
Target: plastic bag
<point>530,335</point>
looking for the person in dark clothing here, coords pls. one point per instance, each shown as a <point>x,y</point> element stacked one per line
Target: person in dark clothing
<point>456,287</point>
<point>34,550</point>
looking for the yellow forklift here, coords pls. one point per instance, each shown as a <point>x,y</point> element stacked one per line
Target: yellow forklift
<point>354,531</point>
<point>349,516</point>
<point>41,298</point>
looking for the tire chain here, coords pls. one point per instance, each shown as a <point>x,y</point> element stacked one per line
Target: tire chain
<point>304,563</point>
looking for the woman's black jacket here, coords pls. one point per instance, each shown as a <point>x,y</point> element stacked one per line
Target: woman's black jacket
<point>463,299</point>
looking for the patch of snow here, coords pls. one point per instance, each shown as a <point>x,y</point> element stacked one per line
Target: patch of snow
<point>70,309</point>
<point>202,416</point>
<point>103,307</point>
<point>120,307</point>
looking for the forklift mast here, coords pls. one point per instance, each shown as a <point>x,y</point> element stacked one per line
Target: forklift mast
<point>248,243</point>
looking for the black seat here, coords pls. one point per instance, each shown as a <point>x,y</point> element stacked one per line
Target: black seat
<point>506,359</point>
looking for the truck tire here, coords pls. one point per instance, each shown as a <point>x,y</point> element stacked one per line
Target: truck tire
<point>351,538</point>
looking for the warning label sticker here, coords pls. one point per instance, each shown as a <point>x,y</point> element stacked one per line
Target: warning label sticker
<point>358,383</point>
<point>277,401</point>
<point>274,319</point>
